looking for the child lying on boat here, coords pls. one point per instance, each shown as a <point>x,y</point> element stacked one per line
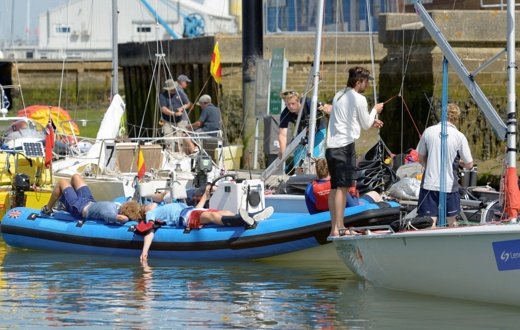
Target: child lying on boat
<point>317,192</point>
<point>180,214</point>
<point>78,200</point>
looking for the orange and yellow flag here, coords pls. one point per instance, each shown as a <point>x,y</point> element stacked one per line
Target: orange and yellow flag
<point>141,168</point>
<point>215,68</point>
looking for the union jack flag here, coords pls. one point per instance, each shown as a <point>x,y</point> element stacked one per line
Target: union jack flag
<point>14,214</point>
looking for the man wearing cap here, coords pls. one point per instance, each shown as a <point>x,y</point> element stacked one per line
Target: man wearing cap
<point>209,121</point>
<point>183,81</point>
<point>349,114</point>
<point>429,150</point>
<point>290,113</point>
<point>174,103</point>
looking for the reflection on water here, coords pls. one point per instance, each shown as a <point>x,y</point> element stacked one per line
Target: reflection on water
<point>54,290</point>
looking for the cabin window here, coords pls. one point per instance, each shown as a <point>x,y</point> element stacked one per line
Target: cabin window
<point>144,29</point>
<point>62,29</point>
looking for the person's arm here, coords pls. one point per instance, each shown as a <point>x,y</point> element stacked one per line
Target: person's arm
<point>121,218</point>
<point>196,124</point>
<point>466,154</point>
<point>167,111</point>
<point>203,198</point>
<point>282,139</point>
<point>423,159</point>
<point>368,119</point>
<point>147,242</point>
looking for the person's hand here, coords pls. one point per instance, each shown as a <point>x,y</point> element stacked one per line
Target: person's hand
<point>326,108</point>
<point>379,107</point>
<point>280,154</point>
<point>377,123</point>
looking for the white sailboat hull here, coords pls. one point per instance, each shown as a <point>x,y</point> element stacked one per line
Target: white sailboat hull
<point>480,263</point>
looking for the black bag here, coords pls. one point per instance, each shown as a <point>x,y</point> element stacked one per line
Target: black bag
<point>412,224</point>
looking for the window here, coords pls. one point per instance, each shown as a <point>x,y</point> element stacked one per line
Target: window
<point>144,29</point>
<point>60,29</point>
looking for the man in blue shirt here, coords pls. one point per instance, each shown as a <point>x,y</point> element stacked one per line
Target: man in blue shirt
<point>209,121</point>
<point>174,103</point>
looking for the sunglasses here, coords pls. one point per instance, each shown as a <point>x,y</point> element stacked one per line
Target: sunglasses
<point>289,93</point>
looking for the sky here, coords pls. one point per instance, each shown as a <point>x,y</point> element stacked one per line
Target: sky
<point>20,12</point>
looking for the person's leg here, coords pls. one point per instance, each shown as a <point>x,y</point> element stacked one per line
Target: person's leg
<point>452,208</point>
<point>56,193</point>
<point>375,196</point>
<point>189,146</point>
<point>427,205</point>
<point>258,215</point>
<point>168,130</point>
<point>340,200</point>
<point>215,217</point>
<point>77,181</point>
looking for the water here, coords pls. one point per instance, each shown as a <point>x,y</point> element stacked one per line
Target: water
<point>54,290</point>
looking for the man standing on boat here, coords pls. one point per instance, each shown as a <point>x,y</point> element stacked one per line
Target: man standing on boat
<point>182,84</point>
<point>174,103</point>
<point>429,150</point>
<point>349,114</point>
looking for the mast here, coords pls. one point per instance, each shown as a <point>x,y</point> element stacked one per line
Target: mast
<point>511,82</point>
<point>115,64</point>
<point>314,99</point>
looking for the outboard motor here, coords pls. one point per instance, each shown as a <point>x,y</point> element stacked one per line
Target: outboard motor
<point>20,186</point>
<point>203,166</point>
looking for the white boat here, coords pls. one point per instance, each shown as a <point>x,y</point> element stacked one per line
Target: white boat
<point>480,263</point>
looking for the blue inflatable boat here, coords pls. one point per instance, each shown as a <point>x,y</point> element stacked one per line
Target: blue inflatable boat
<point>282,233</point>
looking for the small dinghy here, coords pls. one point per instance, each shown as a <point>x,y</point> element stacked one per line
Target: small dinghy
<point>282,233</point>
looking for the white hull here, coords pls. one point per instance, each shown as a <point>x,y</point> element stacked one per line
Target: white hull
<point>480,263</point>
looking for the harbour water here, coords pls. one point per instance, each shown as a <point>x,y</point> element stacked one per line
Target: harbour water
<point>44,290</point>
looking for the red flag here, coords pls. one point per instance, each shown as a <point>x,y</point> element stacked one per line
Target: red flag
<point>49,143</point>
<point>215,68</point>
<point>141,168</point>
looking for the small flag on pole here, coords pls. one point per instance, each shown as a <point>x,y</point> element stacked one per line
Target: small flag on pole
<point>141,168</point>
<point>49,143</point>
<point>215,68</point>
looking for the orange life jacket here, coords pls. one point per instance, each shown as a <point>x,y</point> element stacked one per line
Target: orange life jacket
<point>321,191</point>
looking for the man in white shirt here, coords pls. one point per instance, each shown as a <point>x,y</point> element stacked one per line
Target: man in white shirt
<point>349,114</point>
<point>429,150</point>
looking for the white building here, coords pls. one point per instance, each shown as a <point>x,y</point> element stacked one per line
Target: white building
<point>82,29</point>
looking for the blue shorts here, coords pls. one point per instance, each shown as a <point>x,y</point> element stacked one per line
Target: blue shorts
<point>429,203</point>
<point>342,166</point>
<point>76,200</point>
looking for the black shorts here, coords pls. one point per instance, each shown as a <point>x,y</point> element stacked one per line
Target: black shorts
<point>342,166</point>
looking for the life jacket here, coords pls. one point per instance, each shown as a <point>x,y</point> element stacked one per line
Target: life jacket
<point>321,191</point>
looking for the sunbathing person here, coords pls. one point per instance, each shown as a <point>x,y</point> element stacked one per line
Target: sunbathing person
<point>317,192</point>
<point>180,214</point>
<point>80,203</point>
